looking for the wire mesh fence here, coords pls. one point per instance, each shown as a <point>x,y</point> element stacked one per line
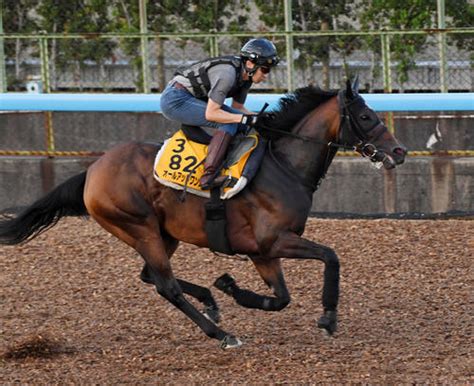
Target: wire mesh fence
<point>115,63</point>
<point>120,63</point>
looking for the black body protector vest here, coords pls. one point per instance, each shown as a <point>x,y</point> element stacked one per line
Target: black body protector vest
<point>199,78</point>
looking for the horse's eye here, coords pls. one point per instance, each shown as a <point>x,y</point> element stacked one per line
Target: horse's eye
<point>364,117</point>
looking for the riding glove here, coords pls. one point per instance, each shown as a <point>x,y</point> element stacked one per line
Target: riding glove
<point>249,119</point>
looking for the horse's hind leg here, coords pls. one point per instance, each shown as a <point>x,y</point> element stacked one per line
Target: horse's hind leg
<point>271,273</point>
<point>167,286</point>
<point>146,239</point>
<point>202,294</point>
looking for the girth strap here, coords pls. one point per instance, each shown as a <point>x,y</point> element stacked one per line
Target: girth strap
<point>216,224</point>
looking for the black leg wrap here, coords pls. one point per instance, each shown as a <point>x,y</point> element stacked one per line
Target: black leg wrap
<point>226,284</point>
<point>331,285</point>
<point>212,312</point>
<point>202,294</point>
<point>328,322</point>
<point>250,299</point>
<point>170,288</point>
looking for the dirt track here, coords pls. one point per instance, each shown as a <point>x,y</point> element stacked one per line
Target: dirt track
<point>74,311</point>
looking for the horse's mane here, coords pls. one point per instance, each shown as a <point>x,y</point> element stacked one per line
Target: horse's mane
<point>292,108</point>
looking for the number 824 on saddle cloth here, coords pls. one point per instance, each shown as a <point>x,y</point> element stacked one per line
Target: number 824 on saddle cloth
<point>179,163</point>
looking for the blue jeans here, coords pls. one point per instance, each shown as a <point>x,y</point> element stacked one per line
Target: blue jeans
<point>179,105</point>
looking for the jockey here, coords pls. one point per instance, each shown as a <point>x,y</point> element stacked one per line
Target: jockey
<point>196,95</point>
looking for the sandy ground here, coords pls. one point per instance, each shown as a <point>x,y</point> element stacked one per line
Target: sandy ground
<point>73,310</point>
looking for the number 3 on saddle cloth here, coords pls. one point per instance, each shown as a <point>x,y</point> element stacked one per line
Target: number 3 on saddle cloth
<point>180,162</point>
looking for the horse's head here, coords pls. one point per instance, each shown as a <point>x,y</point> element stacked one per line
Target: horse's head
<point>362,129</point>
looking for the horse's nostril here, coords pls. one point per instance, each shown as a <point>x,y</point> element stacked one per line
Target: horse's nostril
<point>399,151</point>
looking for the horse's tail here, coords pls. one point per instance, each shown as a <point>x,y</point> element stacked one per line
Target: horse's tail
<point>64,200</point>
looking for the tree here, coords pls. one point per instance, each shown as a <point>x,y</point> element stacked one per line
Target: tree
<point>413,15</point>
<point>399,14</point>
<point>162,16</point>
<point>461,15</point>
<point>76,16</point>
<point>165,17</point>
<point>126,19</point>
<point>322,15</point>
<point>196,15</point>
<point>17,18</point>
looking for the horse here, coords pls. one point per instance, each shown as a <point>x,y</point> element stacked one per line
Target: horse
<point>265,221</point>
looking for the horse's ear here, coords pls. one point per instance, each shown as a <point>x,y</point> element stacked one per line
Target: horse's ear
<point>355,83</point>
<point>349,92</point>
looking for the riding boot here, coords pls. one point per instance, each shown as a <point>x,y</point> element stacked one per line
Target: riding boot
<point>215,155</point>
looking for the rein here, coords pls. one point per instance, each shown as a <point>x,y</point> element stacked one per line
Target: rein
<point>305,138</point>
<point>345,125</point>
<point>349,129</point>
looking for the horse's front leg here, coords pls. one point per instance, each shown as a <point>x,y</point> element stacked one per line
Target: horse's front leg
<point>271,273</point>
<point>290,245</point>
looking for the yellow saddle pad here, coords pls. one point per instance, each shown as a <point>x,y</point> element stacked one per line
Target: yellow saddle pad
<point>180,163</point>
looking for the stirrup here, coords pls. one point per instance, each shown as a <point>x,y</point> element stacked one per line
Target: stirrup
<point>215,182</point>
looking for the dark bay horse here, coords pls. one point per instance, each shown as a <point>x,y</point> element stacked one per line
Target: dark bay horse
<point>265,221</point>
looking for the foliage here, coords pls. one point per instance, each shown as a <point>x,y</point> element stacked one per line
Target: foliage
<point>17,19</point>
<point>17,16</point>
<point>412,15</point>
<point>169,16</point>
<point>322,15</point>
<point>460,15</point>
<point>399,14</point>
<point>76,16</point>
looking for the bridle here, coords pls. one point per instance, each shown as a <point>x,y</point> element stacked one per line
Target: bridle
<point>351,136</point>
<point>350,131</point>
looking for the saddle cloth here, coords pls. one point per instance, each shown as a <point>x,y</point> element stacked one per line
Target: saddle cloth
<point>179,164</point>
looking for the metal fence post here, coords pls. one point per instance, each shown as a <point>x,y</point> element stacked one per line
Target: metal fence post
<point>45,80</point>
<point>3,74</point>
<point>289,45</point>
<point>442,47</point>
<point>443,70</point>
<point>213,45</point>
<point>387,75</point>
<point>387,71</point>
<point>44,57</point>
<point>144,46</point>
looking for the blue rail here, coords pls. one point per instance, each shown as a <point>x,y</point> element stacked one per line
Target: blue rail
<point>151,102</point>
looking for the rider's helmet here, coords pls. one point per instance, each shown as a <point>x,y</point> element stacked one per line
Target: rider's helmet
<point>260,51</point>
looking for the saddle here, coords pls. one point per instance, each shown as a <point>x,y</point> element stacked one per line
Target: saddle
<point>179,163</point>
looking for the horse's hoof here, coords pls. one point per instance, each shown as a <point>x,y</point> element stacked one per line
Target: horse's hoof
<point>328,322</point>
<point>225,283</point>
<point>212,313</point>
<point>230,341</point>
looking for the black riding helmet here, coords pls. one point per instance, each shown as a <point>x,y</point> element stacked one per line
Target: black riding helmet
<point>260,51</point>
